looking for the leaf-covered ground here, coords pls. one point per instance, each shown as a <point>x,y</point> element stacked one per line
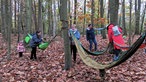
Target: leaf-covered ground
<point>50,64</point>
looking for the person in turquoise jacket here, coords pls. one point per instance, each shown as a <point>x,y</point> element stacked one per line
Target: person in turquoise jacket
<point>72,44</point>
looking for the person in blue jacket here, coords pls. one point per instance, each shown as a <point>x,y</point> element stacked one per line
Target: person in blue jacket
<point>35,41</point>
<point>90,36</point>
<point>72,44</point>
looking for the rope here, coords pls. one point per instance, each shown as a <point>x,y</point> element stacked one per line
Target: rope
<point>63,28</point>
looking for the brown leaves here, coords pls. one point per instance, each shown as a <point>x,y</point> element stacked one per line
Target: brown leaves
<point>50,64</point>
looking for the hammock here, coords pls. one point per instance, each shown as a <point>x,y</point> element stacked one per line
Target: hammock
<point>127,47</point>
<point>95,53</point>
<point>108,49</point>
<point>41,46</point>
<point>27,38</point>
<point>124,56</point>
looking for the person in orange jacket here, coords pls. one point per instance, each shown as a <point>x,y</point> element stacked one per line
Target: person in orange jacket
<point>115,37</point>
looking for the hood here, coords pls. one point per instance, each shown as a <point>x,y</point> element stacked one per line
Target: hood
<point>110,26</point>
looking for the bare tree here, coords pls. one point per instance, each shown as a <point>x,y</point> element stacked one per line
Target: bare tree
<point>63,18</point>
<point>114,6</point>
<point>102,15</point>
<point>123,18</point>
<point>75,11</point>
<point>137,15</point>
<point>130,22</point>
<point>92,12</point>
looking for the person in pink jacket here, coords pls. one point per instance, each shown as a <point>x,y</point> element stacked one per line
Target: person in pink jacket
<point>115,37</point>
<point>20,48</point>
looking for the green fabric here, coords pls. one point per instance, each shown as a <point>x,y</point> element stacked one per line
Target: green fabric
<point>124,56</point>
<point>27,38</point>
<point>43,46</point>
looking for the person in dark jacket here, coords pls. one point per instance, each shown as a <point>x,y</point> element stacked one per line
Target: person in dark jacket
<point>35,41</point>
<point>72,44</point>
<point>90,36</point>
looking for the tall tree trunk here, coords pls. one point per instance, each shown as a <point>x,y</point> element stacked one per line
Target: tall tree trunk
<point>15,21</point>
<point>8,26</point>
<point>54,18</point>
<point>63,18</point>
<point>40,24</point>
<point>28,16</point>
<point>70,15</point>
<point>22,17</point>
<point>102,15</point>
<point>34,11</point>
<point>3,15</point>
<point>50,30</point>
<point>130,21</point>
<point>19,21</point>
<point>84,24</point>
<point>137,15</point>
<point>114,6</point>
<point>92,12</point>
<point>75,11</point>
<point>108,13</point>
<point>143,16</point>
<point>123,18</point>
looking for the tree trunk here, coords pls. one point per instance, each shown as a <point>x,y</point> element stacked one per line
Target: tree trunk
<point>8,26</point>
<point>28,16</point>
<point>34,9</point>
<point>40,24</point>
<point>130,21</point>
<point>54,18</point>
<point>22,17</point>
<point>75,11</point>
<point>114,6</point>
<point>123,18</point>
<point>19,21</point>
<point>70,15</point>
<point>102,16</point>
<point>63,18</point>
<point>137,15</point>
<point>3,15</point>
<point>142,19</point>
<point>50,28</point>
<point>15,21</point>
<point>84,24</point>
<point>92,12</point>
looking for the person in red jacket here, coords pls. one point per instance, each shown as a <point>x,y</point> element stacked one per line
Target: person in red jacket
<point>115,37</point>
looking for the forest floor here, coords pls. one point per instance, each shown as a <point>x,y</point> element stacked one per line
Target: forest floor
<point>50,64</point>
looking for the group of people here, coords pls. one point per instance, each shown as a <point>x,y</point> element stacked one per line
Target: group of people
<point>114,35</point>
<point>34,42</point>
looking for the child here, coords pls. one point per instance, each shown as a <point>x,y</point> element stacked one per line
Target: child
<point>20,48</point>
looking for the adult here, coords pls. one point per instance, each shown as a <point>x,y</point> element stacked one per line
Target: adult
<point>90,36</point>
<point>76,33</point>
<point>115,37</point>
<point>35,41</point>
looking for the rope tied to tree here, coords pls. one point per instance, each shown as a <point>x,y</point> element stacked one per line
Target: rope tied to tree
<point>63,28</point>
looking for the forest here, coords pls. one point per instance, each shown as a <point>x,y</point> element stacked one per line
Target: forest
<point>51,60</point>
